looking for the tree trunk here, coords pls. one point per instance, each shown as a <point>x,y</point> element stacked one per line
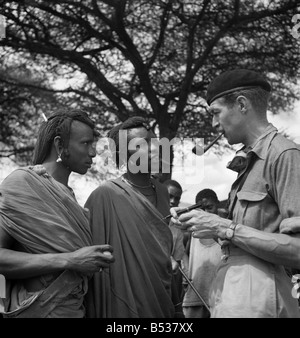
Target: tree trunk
<point>167,130</point>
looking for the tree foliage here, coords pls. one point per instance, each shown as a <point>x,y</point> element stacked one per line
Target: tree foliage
<point>149,58</point>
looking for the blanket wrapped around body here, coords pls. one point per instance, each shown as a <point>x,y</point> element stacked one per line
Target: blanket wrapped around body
<point>43,216</point>
<point>138,283</point>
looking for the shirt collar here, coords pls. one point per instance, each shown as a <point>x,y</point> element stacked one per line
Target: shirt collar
<point>261,145</point>
<point>260,148</point>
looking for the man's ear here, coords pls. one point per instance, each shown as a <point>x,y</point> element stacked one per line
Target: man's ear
<point>58,144</point>
<point>243,103</point>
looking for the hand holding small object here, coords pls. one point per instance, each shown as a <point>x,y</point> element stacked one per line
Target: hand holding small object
<point>107,253</point>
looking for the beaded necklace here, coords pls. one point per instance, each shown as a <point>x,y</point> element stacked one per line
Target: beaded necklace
<point>152,196</point>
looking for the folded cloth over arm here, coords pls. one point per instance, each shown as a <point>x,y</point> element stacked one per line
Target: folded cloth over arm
<point>43,216</point>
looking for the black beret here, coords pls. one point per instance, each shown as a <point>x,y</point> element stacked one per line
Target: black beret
<point>233,80</point>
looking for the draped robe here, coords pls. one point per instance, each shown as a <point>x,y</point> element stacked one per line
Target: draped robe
<point>43,216</point>
<point>138,283</point>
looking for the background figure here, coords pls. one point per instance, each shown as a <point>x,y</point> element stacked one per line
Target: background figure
<point>127,213</point>
<point>46,251</point>
<point>175,192</point>
<point>201,258</point>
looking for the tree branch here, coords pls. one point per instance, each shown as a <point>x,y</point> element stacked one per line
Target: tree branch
<point>15,151</point>
<point>134,56</point>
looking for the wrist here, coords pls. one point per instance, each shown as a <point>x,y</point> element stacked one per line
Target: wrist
<point>64,261</point>
<point>230,231</point>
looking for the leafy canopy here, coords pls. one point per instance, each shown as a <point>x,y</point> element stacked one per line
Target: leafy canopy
<point>155,59</point>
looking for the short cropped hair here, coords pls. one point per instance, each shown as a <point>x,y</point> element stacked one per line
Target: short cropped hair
<point>258,97</point>
<point>173,183</point>
<point>207,193</point>
<point>58,124</point>
<point>130,123</point>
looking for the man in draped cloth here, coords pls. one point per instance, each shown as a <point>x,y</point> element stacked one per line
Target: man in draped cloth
<point>46,252</point>
<point>127,213</point>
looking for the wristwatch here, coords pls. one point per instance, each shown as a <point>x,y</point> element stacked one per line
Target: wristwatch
<point>229,233</point>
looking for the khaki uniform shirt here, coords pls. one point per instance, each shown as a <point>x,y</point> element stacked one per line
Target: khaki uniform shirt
<point>247,286</point>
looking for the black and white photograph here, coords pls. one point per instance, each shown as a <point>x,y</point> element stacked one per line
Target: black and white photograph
<point>149,162</point>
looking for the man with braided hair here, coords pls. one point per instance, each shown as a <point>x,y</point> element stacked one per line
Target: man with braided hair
<point>127,213</point>
<point>46,251</point>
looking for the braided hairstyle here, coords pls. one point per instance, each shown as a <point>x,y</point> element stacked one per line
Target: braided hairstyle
<point>114,136</point>
<point>58,124</point>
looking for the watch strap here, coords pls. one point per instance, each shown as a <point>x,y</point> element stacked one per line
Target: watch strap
<point>233,225</point>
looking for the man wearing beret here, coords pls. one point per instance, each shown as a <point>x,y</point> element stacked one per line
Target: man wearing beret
<point>261,237</point>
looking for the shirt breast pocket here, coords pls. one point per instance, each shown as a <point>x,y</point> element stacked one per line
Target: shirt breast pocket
<point>252,207</point>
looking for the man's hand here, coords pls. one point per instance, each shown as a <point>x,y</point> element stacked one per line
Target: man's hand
<point>175,265</point>
<point>38,168</point>
<point>90,259</point>
<point>202,224</point>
